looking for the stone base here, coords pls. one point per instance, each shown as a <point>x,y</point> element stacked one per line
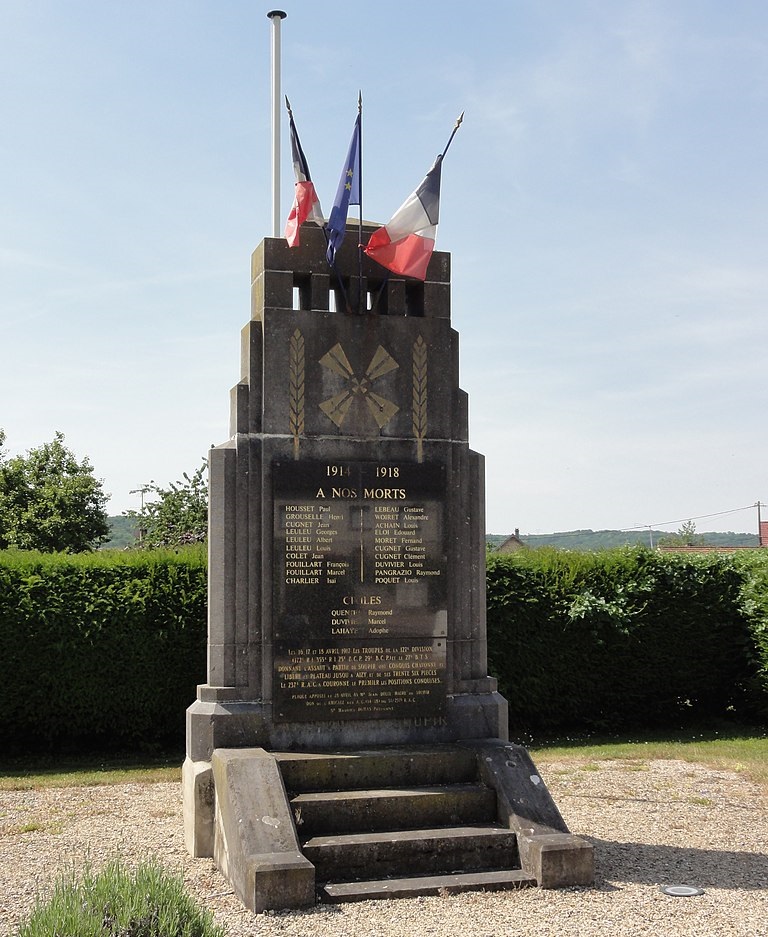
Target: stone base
<point>549,853</point>
<point>255,843</point>
<point>199,804</point>
<point>237,809</point>
<point>214,721</point>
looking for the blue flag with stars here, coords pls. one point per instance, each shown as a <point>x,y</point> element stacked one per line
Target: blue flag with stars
<point>348,193</point>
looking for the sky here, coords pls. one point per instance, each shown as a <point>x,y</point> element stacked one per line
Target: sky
<point>605,204</point>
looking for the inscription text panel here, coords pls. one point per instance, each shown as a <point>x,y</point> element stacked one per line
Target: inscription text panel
<point>359,595</point>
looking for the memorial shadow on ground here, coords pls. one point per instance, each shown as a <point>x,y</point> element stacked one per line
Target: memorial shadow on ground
<point>664,865</point>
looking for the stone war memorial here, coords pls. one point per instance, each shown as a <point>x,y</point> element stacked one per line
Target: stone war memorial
<point>349,743</point>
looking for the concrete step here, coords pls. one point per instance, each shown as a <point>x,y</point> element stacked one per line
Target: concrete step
<point>323,812</point>
<point>353,856</point>
<point>425,885</point>
<point>381,768</point>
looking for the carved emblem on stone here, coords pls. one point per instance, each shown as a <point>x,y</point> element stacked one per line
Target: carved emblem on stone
<point>296,389</point>
<point>337,407</point>
<point>419,395</point>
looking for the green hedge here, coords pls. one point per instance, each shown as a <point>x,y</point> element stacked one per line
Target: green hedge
<point>101,649</point>
<point>105,650</point>
<point>627,638</point>
<point>754,567</point>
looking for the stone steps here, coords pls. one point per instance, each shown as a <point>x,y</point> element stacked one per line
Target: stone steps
<point>412,852</point>
<point>379,768</point>
<point>399,822</point>
<point>425,885</point>
<point>322,812</point>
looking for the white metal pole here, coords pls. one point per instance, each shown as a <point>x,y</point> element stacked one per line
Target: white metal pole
<point>276,16</point>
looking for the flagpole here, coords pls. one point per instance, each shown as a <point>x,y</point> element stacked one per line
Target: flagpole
<point>459,119</point>
<point>276,16</point>
<point>360,303</point>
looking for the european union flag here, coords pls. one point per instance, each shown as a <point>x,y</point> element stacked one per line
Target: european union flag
<point>348,193</point>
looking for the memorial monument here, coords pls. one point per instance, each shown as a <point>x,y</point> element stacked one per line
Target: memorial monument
<point>349,742</point>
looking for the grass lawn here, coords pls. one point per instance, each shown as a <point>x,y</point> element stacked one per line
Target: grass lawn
<point>34,771</point>
<point>743,750</point>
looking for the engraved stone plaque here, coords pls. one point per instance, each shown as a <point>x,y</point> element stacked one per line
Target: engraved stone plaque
<point>360,593</point>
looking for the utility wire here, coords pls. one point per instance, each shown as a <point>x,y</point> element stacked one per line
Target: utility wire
<point>682,520</point>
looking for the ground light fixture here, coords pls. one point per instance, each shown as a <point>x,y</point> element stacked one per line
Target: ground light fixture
<point>681,891</point>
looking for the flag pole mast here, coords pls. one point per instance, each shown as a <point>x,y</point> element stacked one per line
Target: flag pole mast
<point>360,303</point>
<point>276,16</point>
<point>459,119</point>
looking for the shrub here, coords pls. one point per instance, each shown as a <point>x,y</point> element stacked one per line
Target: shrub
<point>105,650</point>
<point>102,649</point>
<point>145,902</point>
<point>754,567</point>
<point>619,639</point>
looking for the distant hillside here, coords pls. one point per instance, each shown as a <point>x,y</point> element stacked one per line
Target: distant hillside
<point>122,533</point>
<point>607,539</point>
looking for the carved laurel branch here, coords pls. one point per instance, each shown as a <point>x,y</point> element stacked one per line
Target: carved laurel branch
<point>296,389</point>
<point>420,395</point>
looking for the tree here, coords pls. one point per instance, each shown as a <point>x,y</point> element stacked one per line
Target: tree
<point>51,502</point>
<point>686,536</point>
<point>179,516</point>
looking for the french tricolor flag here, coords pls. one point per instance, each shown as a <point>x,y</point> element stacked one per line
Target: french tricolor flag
<point>405,244</point>
<point>306,204</point>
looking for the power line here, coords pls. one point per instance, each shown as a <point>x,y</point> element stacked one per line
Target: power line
<point>682,520</point>
<point>698,517</point>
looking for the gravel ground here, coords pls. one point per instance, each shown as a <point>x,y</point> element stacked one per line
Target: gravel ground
<point>652,823</point>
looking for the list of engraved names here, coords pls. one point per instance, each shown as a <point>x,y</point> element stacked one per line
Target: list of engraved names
<point>392,549</point>
<point>359,558</point>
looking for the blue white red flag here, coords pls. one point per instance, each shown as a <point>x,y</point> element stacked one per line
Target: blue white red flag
<point>306,204</point>
<point>405,243</point>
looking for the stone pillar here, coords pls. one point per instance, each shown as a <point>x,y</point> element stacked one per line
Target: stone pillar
<point>354,414</point>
